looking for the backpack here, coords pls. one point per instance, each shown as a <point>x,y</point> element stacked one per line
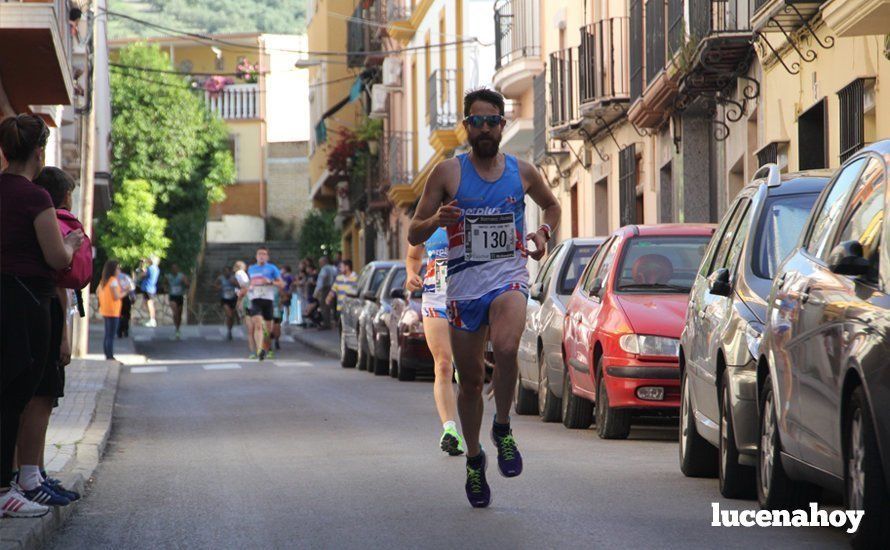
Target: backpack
<point>80,272</point>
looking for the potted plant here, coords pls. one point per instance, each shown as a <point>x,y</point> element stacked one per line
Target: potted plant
<point>247,71</point>
<point>370,131</point>
<point>342,152</point>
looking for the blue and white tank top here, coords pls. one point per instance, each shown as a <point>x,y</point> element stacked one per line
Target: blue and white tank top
<point>486,247</point>
<point>434,285</point>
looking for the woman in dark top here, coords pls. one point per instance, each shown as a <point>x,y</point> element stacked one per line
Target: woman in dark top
<point>32,249</point>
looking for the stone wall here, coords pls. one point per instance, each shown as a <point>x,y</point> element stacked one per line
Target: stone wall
<point>287,187</point>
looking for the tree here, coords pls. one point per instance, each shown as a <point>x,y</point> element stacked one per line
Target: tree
<point>162,132</point>
<point>319,235</point>
<point>132,231</point>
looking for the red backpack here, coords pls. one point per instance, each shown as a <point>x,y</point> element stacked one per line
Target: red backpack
<point>80,272</point>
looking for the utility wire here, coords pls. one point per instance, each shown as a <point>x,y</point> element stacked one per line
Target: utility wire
<point>120,68</point>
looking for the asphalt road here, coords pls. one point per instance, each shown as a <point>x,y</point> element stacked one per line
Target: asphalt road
<point>219,452</point>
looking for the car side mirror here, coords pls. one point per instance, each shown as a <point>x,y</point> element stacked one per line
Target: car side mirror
<point>596,286</point>
<point>718,282</point>
<point>847,259</point>
<point>537,292</point>
<point>397,293</point>
<point>370,295</point>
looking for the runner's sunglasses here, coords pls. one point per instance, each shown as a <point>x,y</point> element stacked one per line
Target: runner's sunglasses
<point>476,121</point>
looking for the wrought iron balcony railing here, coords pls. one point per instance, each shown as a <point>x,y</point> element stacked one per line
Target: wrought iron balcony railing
<point>398,157</point>
<point>563,86</point>
<point>442,105</point>
<point>516,31</point>
<point>603,61</point>
<point>362,35</point>
<point>398,10</point>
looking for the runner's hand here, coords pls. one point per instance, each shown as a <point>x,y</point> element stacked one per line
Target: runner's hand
<point>540,245</point>
<point>414,282</point>
<point>448,214</point>
<point>65,353</point>
<point>74,239</point>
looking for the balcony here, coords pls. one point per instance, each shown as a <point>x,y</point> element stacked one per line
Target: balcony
<point>362,36</point>
<point>857,17</point>
<point>603,70</point>
<point>517,47</point>
<point>235,102</point>
<point>35,53</point>
<point>653,97</point>
<point>399,158</point>
<point>786,16</point>
<point>563,92</point>
<point>403,17</point>
<point>446,132</point>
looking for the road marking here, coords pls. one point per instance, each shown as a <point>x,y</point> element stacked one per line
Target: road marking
<point>142,338</point>
<point>222,366</point>
<point>293,364</point>
<point>287,338</point>
<point>214,338</point>
<point>147,370</point>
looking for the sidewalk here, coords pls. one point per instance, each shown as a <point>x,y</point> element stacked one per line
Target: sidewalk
<point>326,342</point>
<point>75,441</point>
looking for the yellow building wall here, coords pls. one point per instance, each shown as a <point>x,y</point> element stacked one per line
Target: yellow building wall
<point>250,158</point>
<point>787,96</point>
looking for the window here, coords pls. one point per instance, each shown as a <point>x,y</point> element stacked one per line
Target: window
<point>574,208</point>
<point>627,185</point>
<point>705,268</point>
<point>398,280</point>
<point>851,100</point>
<point>725,239</point>
<point>363,278</point>
<point>655,38</point>
<point>783,219</point>
<point>636,49</point>
<point>812,147</point>
<point>864,218</point>
<point>831,207</point>
<point>590,270</point>
<point>377,279</point>
<point>605,257</point>
<point>741,235</point>
<point>544,273</point>
<point>605,265</point>
<point>660,264</point>
<point>233,148</point>
<point>574,265</point>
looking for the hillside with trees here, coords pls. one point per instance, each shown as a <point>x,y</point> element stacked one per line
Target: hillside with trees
<point>207,16</point>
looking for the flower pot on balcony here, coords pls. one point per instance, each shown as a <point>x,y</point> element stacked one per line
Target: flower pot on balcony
<point>373,146</point>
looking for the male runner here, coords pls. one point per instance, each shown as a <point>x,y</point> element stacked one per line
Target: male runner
<point>479,197</point>
<point>265,281</point>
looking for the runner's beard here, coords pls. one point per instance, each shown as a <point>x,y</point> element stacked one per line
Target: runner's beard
<point>485,147</point>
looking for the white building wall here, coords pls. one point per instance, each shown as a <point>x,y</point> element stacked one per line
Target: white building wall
<point>287,89</point>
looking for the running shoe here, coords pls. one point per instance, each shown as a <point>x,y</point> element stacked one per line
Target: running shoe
<point>252,356</point>
<point>451,442</point>
<point>277,344</point>
<point>45,495</point>
<point>509,459</point>
<point>178,335</point>
<point>478,492</point>
<point>60,489</point>
<point>230,335</point>
<point>15,505</point>
<point>151,323</point>
<point>262,355</point>
<point>271,354</point>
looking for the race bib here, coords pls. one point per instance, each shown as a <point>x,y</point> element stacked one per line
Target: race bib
<point>441,274</point>
<point>489,237</point>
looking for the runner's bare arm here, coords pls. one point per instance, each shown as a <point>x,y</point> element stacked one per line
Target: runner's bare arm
<point>412,266</point>
<point>430,212</point>
<point>543,196</point>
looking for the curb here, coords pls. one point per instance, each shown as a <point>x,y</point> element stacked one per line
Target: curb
<point>305,339</point>
<point>27,534</point>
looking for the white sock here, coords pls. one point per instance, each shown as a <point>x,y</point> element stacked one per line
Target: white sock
<point>29,477</point>
<point>449,424</point>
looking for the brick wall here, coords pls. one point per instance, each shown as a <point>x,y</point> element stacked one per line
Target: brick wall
<point>287,184</point>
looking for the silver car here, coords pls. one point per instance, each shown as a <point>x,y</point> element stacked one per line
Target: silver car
<point>539,385</point>
<point>724,323</point>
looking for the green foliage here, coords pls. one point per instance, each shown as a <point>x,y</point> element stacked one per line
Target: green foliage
<point>132,230</point>
<point>371,129</point>
<point>162,133</point>
<point>318,235</point>
<point>208,16</point>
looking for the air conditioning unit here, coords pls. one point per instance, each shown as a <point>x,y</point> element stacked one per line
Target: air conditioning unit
<point>392,73</point>
<point>378,101</point>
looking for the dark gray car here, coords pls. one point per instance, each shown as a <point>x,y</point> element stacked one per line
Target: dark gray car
<point>824,376</point>
<point>724,323</point>
<point>369,280</point>
<point>540,350</point>
<point>373,353</point>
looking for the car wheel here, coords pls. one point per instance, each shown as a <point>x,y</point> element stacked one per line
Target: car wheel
<point>393,368</point>
<point>698,458</point>
<point>611,423</point>
<point>406,373</point>
<point>526,400</point>
<point>577,412</point>
<point>549,406</point>
<point>736,480</point>
<point>775,490</point>
<point>361,353</point>
<point>348,357</point>
<point>863,476</point>
<point>381,366</point>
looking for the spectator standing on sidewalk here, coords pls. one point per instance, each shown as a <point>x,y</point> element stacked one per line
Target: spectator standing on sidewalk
<point>110,296</point>
<point>149,288</point>
<point>326,276</point>
<point>32,478</point>
<point>177,282</point>
<point>346,282</point>
<point>32,249</point>
<point>287,292</point>
<point>127,284</point>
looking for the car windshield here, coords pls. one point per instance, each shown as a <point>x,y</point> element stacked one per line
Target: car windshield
<point>397,281</point>
<point>377,279</point>
<point>574,267</point>
<point>780,226</point>
<point>660,264</point>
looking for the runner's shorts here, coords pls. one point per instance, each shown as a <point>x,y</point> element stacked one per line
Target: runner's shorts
<point>231,302</point>
<point>470,315</point>
<point>178,300</point>
<point>434,312</point>
<point>263,307</point>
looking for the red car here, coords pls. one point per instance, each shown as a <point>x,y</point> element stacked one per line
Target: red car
<point>623,324</point>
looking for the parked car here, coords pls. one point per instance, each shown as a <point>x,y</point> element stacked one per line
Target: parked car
<point>623,324</point>
<point>724,323</point>
<point>824,381</point>
<point>408,350</point>
<point>369,281</point>
<point>373,331</point>
<point>539,385</point>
